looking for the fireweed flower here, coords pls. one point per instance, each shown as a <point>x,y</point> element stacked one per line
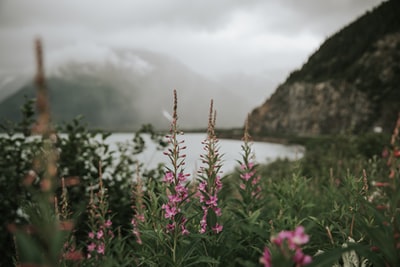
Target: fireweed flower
<point>294,238</point>
<point>385,194</point>
<point>250,180</point>
<point>100,248</point>
<point>91,235</point>
<point>266,258</point>
<point>209,179</point>
<point>217,228</point>
<point>100,226</point>
<point>100,234</point>
<point>289,245</point>
<point>108,223</point>
<point>301,259</point>
<point>176,179</point>
<point>135,228</point>
<point>138,207</point>
<point>91,247</point>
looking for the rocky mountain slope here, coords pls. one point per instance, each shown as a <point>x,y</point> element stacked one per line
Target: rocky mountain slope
<point>351,84</point>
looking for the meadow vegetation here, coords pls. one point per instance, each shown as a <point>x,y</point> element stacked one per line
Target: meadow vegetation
<point>70,200</point>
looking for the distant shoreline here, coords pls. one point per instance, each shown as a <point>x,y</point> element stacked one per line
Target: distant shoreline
<point>233,134</point>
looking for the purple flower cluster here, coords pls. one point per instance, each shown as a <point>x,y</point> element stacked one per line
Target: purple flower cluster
<point>177,194</point>
<point>210,180</point>
<point>289,244</point>
<point>138,209</point>
<point>208,196</point>
<point>175,179</point>
<point>135,226</point>
<point>250,178</point>
<point>97,239</point>
<point>101,228</point>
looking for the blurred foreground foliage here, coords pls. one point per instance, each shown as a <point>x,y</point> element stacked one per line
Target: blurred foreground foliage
<point>80,155</point>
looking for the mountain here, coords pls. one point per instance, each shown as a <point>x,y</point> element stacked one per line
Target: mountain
<point>10,83</point>
<point>351,84</point>
<point>127,89</point>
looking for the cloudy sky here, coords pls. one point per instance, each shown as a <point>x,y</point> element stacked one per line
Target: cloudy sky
<point>211,36</point>
<point>264,39</point>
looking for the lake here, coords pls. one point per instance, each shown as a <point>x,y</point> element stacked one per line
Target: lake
<point>231,150</point>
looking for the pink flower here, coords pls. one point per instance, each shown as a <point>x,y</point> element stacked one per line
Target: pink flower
<point>212,201</point>
<point>282,235</point>
<point>201,198</point>
<point>217,211</point>
<point>218,183</point>
<point>108,223</point>
<point>246,176</point>
<point>137,235</point>
<point>248,166</point>
<point>202,186</point>
<point>266,258</point>
<point>91,247</point>
<point>170,212</point>
<point>301,259</point>
<point>91,235</point>
<point>294,240</point>
<point>299,236</point>
<point>140,217</point>
<point>169,177</point>
<point>99,234</point>
<point>380,184</point>
<point>185,231</point>
<point>174,198</point>
<point>256,180</point>
<point>181,190</point>
<point>100,248</point>
<point>203,221</point>
<point>217,228</point>
<point>182,177</point>
<point>170,227</point>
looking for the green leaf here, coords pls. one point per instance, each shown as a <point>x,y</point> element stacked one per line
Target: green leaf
<point>28,249</point>
<point>254,216</point>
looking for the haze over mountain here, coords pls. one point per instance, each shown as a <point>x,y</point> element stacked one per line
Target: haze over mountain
<point>351,84</point>
<point>133,87</point>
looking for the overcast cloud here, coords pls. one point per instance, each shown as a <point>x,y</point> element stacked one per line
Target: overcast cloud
<point>212,37</point>
<point>264,39</point>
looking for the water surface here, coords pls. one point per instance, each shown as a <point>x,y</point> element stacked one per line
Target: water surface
<point>230,149</point>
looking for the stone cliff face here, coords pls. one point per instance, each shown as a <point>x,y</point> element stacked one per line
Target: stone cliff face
<point>343,88</point>
<point>304,109</point>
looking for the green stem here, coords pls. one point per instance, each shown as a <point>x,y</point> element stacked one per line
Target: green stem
<point>174,249</point>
